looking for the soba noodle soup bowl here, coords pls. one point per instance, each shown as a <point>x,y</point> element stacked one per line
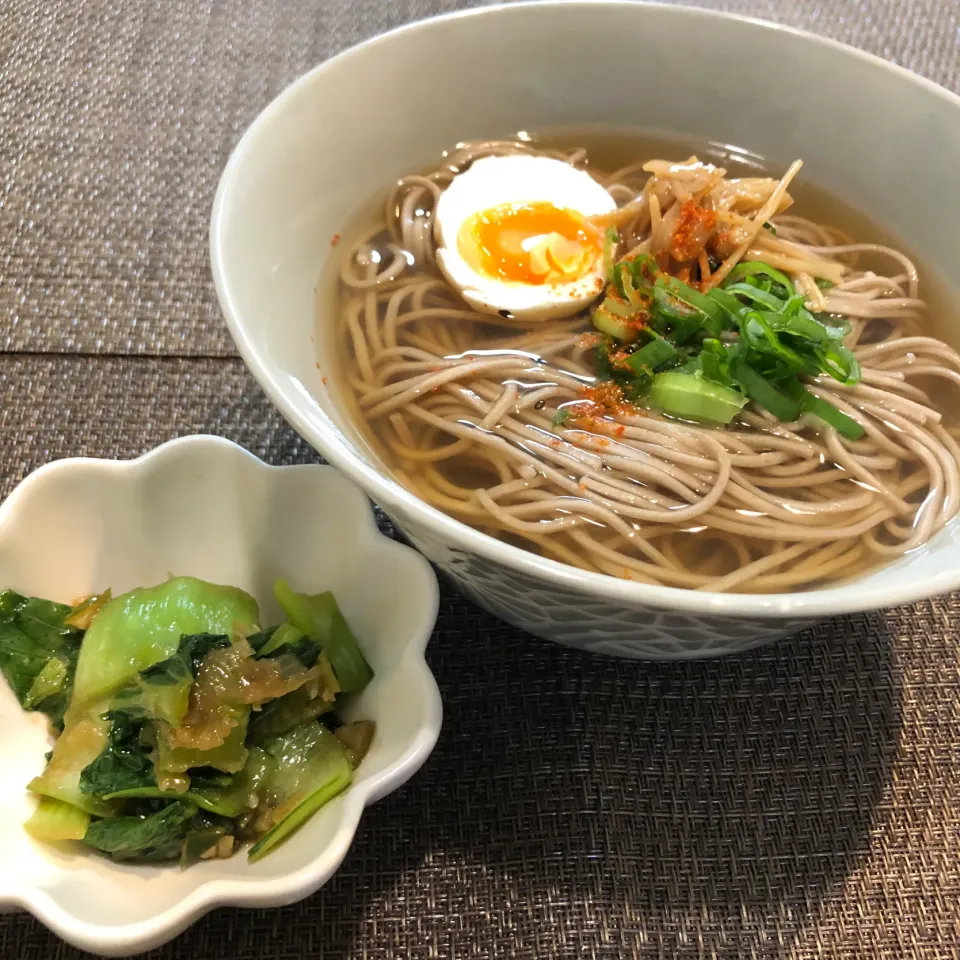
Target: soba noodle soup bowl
<point>328,150</point>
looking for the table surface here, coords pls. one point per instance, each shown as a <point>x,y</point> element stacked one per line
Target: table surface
<point>800,801</point>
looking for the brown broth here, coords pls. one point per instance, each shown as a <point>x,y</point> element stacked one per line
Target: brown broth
<point>610,150</point>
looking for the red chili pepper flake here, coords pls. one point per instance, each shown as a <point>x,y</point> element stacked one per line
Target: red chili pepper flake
<point>323,380</point>
<point>605,398</point>
<point>600,403</point>
<point>694,227</point>
<point>619,360</point>
<point>335,239</point>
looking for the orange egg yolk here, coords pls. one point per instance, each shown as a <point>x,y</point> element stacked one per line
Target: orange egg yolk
<point>530,243</point>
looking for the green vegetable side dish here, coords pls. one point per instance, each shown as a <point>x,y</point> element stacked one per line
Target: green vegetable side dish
<point>184,729</point>
<point>703,355</point>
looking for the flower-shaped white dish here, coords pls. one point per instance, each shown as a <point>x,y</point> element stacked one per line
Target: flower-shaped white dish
<point>204,507</point>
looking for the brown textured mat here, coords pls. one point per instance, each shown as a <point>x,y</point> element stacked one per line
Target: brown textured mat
<point>121,407</point>
<point>798,802</point>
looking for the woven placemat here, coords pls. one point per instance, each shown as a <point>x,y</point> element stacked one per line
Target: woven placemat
<point>802,801</point>
<point>118,116</point>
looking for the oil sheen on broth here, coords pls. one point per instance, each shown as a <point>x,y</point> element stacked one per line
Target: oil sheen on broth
<point>639,437</point>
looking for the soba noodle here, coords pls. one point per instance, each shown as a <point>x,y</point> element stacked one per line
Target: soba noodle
<point>463,404</point>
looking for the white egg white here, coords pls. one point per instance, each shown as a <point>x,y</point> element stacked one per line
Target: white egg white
<point>493,182</point>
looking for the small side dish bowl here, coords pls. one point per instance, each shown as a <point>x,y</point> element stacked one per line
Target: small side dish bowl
<point>204,507</point>
<point>888,145</point>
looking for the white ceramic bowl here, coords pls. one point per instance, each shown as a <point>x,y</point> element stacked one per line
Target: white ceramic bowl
<point>204,507</point>
<point>877,136</point>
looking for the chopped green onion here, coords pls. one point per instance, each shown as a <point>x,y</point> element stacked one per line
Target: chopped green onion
<point>847,427</point>
<point>779,340</point>
<point>620,270</point>
<point>630,291</point>
<point>611,325</point>
<point>618,307</point>
<point>715,362</point>
<point>769,226</point>
<point>764,393</point>
<point>798,325</point>
<point>673,317</point>
<point>757,334</point>
<point>762,297</point>
<point>753,269</point>
<point>839,362</point>
<point>610,241</point>
<point>728,302</point>
<point>645,270</point>
<point>562,416</point>
<point>670,307</point>
<point>713,314</point>
<point>647,358</point>
<point>694,398</point>
<point>839,328</point>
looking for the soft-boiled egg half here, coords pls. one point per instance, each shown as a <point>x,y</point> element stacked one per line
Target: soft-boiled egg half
<point>513,236</point>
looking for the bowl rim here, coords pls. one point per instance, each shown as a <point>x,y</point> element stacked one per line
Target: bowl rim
<point>308,420</point>
<point>245,890</point>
